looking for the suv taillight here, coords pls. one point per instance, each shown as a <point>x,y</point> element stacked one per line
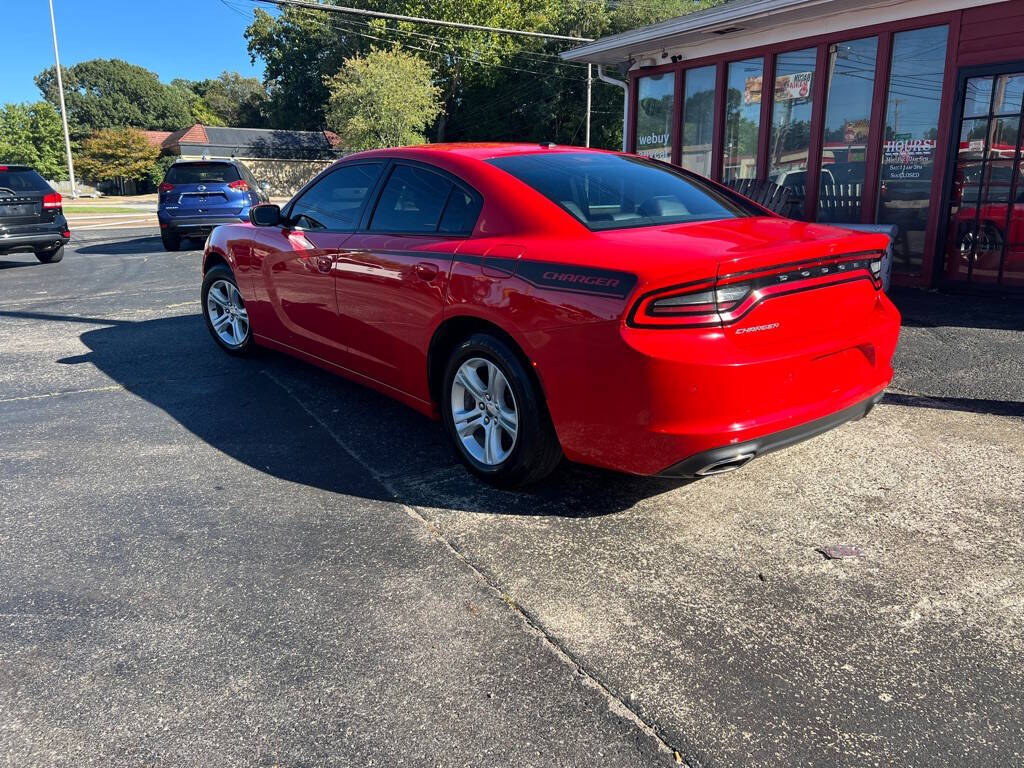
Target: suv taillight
<point>239,185</point>
<point>165,187</point>
<point>52,202</point>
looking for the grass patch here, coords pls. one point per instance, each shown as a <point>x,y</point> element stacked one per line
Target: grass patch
<point>83,209</point>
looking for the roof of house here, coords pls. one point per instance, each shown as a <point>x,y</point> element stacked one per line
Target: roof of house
<point>156,138</point>
<point>255,142</point>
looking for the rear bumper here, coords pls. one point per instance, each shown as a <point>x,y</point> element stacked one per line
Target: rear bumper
<point>672,402</point>
<point>198,224</point>
<point>728,457</point>
<point>38,237</point>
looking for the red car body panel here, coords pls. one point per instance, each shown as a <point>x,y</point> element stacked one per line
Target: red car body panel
<point>623,396</point>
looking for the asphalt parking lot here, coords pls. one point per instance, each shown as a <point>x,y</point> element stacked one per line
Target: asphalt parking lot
<point>219,562</point>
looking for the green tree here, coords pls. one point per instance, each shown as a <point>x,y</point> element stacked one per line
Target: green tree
<point>31,134</point>
<point>199,111</point>
<point>114,153</point>
<point>493,86</point>
<point>110,93</point>
<point>382,99</point>
<point>235,100</point>
<point>159,169</point>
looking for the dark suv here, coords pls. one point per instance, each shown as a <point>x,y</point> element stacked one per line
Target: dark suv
<point>31,215</point>
<point>197,196</point>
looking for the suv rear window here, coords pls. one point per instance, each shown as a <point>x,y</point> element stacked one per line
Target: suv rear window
<point>201,173</point>
<point>17,180</point>
<point>606,191</point>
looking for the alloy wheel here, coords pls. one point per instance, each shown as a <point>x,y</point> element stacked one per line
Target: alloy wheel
<point>484,411</point>
<point>226,310</point>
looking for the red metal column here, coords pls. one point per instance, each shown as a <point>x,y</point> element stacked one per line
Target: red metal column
<point>931,258</point>
<point>817,132</point>
<point>718,131</point>
<point>677,118</point>
<point>876,131</point>
<point>764,131</point>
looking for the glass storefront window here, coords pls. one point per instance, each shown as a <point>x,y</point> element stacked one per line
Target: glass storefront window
<point>742,119</point>
<point>985,215</point>
<point>698,118</point>
<point>790,142</point>
<point>851,81</point>
<point>911,132</point>
<point>655,97</point>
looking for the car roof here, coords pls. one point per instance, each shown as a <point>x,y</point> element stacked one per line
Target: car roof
<point>475,150</point>
<point>206,162</point>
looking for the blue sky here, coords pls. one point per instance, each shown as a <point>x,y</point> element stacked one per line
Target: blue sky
<point>181,38</point>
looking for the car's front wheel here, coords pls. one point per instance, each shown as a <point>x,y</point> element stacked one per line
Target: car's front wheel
<point>51,255</point>
<point>495,414</point>
<point>224,310</point>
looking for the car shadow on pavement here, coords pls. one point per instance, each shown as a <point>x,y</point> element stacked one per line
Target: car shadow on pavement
<point>294,421</point>
<point>930,309</point>
<point>135,246</point>
<point>11,264</point>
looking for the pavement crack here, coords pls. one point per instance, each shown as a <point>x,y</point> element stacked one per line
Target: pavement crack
<point>532,623</point>
<point>112,388</point>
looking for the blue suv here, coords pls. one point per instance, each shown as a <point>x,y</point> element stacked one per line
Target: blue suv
<point>197,196</point>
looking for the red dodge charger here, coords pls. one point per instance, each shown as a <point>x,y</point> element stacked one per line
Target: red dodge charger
<point>547,301</point>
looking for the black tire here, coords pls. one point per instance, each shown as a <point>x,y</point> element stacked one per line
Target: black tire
<point>171,242</point>
<point>536,450</point>
<point>215,273</point>
<point>51,256</point>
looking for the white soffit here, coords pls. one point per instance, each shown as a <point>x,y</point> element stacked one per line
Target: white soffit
<point>761,23</point>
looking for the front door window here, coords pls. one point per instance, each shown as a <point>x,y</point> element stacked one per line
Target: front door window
<point>985,225</point>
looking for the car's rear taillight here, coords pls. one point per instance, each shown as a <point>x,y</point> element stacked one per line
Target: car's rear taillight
<point>52,202</point>
<point>688,305</point>
<point>165,187</point>
<point>239,185</point>
<point>729,297</point>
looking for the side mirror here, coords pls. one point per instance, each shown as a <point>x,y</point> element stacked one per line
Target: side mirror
<point>267,215</point>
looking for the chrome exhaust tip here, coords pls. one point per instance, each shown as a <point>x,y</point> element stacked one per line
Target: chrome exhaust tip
<point>722,466</point>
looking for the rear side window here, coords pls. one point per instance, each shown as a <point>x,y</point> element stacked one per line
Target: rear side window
<point>606,191</point>
<point>461,213</point>
<point>412,201</point>
<point>336,201</point>
<point>14,181</point>
<point>201,173</point>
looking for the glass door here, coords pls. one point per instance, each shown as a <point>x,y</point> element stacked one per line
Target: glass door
<point>985,221</point>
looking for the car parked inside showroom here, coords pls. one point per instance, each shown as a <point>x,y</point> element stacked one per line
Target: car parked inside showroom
<point>198,195</point>
<point>31,214</point>
<point>549,301</point>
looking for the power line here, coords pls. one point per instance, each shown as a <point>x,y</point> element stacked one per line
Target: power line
<point>422,20</point>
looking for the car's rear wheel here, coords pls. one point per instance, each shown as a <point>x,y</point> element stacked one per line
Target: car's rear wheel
<point>224,310</point>
<point>495,414</point>
<point>171,242</point>
<point>51,255</point>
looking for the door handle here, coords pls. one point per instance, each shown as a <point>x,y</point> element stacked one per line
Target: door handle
<point>426,271</point>
<point>323,263</point>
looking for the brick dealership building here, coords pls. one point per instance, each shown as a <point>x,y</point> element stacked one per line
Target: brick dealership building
<point>904,113</point>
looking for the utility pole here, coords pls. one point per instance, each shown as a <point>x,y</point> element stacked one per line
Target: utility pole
<point>63,111</point>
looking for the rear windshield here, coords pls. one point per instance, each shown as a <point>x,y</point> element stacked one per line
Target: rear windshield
<point>17,180</point>
<point>201,173</point>
<point>614,192</point>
